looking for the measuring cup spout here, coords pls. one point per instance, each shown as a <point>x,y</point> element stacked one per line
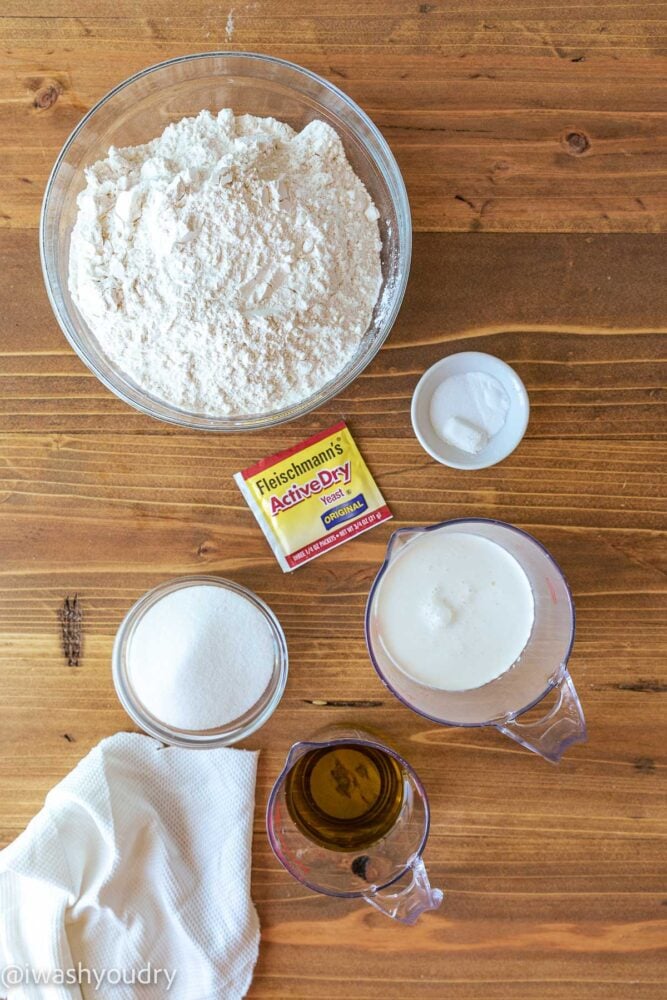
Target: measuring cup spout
<point>296,751</point>
<point>562,726</point>
<point>398,540</point>
<point>408,898</point>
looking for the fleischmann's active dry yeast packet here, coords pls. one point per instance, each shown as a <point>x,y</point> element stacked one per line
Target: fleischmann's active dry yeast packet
<point>313,497</point>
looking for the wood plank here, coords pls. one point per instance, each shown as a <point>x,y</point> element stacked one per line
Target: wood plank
<point>478,113</point>
<point>580,316</point>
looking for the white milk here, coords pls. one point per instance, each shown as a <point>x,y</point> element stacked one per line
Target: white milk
<point>455,610</point>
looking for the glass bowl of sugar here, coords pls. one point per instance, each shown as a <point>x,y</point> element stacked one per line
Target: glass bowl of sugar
<point>152,369</point>
<point>200,662</point>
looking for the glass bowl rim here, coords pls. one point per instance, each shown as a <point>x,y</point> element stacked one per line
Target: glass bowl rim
<point>168,413</point>
<point>231,732</point>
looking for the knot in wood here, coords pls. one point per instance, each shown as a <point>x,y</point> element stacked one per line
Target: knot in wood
<point>576,143</point>
<point>47,94</point>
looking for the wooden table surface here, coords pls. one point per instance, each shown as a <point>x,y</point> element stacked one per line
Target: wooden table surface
<point>533,140</point>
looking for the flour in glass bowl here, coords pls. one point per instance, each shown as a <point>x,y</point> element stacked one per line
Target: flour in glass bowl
<point>231,265</point>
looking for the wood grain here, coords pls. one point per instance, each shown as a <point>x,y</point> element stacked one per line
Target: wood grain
<point>503,117</point>
<point>533,244</point>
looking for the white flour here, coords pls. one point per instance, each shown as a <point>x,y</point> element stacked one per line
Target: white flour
<point>231,265</point>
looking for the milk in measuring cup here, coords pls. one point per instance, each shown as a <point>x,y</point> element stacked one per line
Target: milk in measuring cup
<point>455,610</point>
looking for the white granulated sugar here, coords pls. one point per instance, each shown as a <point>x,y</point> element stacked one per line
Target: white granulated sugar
<point>200,657</point>
<point>231,265</point>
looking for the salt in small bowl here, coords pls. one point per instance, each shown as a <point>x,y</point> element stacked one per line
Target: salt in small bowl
<point>501,444</point>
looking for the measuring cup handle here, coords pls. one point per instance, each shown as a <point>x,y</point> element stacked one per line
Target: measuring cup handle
<point>562,726</point>
<point>407,899</point>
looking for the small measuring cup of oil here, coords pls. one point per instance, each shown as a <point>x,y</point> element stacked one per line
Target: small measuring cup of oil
<point>349,817</point>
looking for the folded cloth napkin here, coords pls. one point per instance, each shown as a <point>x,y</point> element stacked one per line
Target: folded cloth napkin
<point>135,879</point>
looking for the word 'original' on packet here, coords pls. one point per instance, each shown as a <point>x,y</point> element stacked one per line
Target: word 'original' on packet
<point>313,497</point>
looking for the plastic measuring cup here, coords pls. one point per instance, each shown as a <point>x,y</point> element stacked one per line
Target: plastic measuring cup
<point>390,874</point>
<point>540,669</point>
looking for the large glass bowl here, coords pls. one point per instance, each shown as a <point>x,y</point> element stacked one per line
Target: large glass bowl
<point>138,110</point>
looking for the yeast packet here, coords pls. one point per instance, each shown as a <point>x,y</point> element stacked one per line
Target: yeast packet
<point>312,497</point>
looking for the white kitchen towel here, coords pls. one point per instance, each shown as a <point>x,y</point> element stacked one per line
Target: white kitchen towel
<point>135,875</point>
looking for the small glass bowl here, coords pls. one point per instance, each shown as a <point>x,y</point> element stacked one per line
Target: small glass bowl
<point>231,732</point>
<point>138,110</point>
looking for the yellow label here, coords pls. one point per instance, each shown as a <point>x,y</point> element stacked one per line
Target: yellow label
<point>313,497</point>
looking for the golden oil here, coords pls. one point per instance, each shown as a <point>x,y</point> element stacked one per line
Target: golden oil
<point>345,797</point>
